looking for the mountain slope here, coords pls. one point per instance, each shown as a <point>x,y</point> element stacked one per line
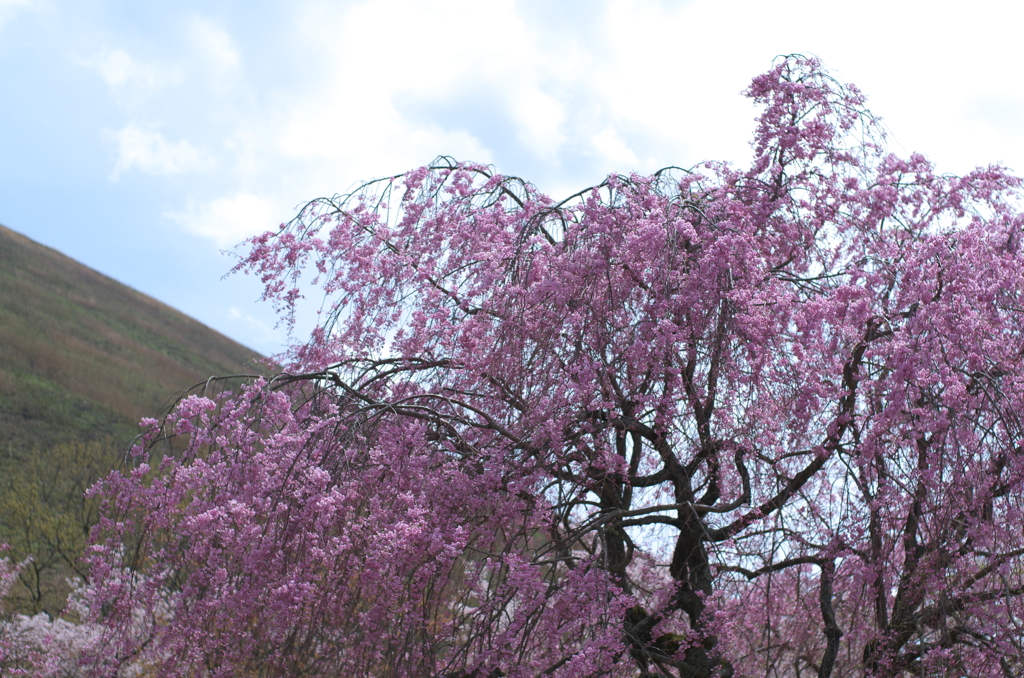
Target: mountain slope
<point>83,356</point>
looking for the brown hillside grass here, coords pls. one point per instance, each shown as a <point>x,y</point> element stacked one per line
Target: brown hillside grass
<point>83,356</point>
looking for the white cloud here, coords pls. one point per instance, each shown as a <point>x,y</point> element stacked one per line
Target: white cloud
<point>214,45</point>
<point>541,119</point>
<point>118,69</point>
<point>371,111</point>
<point>149,152</point>
<point>131,80</point>
<point>353,117</point>
<point>229,220</point>
<point>613,148</point>
<point>371,141</point>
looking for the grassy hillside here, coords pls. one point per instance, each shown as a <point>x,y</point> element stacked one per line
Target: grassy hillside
<point>83,356</point>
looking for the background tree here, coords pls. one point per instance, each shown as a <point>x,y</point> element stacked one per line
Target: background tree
<point>707,422</point>
<point>45,518</point>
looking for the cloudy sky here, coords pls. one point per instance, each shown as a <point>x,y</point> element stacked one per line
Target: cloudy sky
<point>146,138</point>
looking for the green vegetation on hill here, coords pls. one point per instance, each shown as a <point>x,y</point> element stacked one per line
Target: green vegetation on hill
<point>83,356</point>
<point>45,514</point>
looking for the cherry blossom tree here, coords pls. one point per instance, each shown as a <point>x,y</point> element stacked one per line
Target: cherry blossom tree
<point>709,422</point>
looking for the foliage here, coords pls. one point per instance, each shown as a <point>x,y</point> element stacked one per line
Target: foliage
<point>47,519</point>
<point>702,423</point>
